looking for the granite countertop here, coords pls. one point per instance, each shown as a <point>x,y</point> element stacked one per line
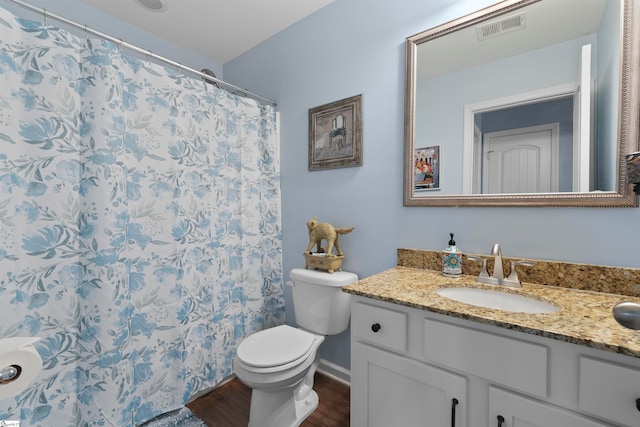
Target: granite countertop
<point>584,317</point>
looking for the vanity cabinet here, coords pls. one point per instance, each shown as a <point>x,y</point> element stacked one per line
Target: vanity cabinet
<point>393,389</point>
<point>413,367</point>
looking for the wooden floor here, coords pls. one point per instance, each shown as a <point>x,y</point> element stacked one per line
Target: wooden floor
<point>228,405</point>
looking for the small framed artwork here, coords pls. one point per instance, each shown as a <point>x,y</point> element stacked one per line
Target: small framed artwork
<point>426,170</point>
<point>335,134</point>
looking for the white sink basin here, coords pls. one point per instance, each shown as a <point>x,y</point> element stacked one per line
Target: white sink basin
<point>497,300</point>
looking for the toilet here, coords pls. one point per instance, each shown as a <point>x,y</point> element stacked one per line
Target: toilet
<point>279,363</point>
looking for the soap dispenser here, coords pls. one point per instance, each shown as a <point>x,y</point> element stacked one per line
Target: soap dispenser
<point>451,260</point>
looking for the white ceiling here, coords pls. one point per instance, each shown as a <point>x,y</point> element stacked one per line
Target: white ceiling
<point>216,29</point>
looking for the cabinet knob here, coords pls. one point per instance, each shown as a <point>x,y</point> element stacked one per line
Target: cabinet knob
<point>376,327</point>
<point>500,420</point>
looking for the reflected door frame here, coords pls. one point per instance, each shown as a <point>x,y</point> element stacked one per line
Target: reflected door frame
<point>468,162</point>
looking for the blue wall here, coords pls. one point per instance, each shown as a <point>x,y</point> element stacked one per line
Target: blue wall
<point>355,47</point>
<point>607,96</point>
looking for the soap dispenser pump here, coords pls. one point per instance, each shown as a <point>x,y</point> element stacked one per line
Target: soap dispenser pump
<point>451,260</point>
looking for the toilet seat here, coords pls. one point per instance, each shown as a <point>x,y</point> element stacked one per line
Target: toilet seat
<point>275,349</point>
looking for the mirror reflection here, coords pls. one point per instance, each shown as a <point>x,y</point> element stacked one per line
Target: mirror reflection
<point>522,100</point>
<point>517,100</point>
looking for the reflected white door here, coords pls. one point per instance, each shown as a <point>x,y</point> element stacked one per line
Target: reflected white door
<point>521,160</point>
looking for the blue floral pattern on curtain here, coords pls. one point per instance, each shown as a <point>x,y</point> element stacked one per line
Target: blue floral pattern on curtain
<point>140,228</point>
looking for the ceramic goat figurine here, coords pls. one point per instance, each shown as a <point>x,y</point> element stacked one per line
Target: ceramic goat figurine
<point>325,231</point>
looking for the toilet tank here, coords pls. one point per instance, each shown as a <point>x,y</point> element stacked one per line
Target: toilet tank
<point>319,304</point>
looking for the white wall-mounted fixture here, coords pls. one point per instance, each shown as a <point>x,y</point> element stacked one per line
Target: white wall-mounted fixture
<point>153,5</point>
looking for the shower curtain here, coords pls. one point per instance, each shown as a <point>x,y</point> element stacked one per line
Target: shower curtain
<point>140,232</point>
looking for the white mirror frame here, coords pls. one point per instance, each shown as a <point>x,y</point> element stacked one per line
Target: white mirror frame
<point>628,120</point>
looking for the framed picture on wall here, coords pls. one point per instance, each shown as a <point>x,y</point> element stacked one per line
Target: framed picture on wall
<point>426,170</point>
<point>335,134</point>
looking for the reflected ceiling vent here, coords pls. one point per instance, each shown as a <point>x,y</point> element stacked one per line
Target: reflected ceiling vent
<point>501,26</point>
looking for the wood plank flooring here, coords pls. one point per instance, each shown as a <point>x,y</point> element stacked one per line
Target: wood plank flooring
<point>228,405</point>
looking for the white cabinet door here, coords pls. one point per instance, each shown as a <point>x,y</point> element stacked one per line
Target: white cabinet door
<point>390,390</point>
<point>609,390</point>
<point>518,411</point>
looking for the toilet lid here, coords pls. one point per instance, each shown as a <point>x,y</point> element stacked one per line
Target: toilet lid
<point>275,346</point>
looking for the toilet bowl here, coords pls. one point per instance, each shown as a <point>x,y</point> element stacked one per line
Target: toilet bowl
<point>275,363</point>
<point>279,363</point>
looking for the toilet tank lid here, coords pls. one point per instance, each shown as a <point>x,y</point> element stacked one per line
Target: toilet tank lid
<point>337,278</point>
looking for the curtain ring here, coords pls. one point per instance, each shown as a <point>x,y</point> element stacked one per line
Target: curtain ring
<point>120,47</point>
<point>86,32</point>
<point>44,14</point>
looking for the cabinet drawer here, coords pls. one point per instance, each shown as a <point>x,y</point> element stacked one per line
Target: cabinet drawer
<point>379,326</point>
<point>609,390</point>
<point>520,411</point>
<point>517,364</point>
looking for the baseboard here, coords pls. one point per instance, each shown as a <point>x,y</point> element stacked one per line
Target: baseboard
<point>334,371</point>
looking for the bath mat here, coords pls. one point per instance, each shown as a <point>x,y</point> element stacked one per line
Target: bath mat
<point>178,418</point>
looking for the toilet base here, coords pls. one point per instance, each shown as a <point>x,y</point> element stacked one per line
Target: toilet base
<point>280,409</point>
<point>306,407</point>
<point>287,406</point>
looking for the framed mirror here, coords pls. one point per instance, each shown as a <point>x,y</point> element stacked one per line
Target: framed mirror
<point>524,103</point>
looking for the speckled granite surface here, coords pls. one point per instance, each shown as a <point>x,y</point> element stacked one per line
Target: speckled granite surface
<point>597,278</point>
<point>584,317</point>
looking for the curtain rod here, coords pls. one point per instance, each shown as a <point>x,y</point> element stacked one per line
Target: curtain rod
<point>134,48</point>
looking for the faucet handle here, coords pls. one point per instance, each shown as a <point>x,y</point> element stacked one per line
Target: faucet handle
<point>483,269</point>
<point>483,277</point>
<point>513,280</point>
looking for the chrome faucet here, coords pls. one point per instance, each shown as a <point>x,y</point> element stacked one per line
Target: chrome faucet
<point>498,272</point>
<point>497,263</point>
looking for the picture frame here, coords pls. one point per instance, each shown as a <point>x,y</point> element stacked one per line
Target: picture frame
<point>335,134</point>
<point>426,168</point>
